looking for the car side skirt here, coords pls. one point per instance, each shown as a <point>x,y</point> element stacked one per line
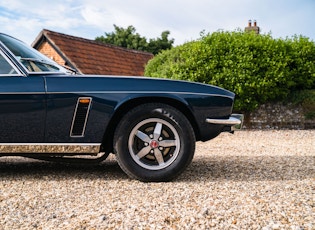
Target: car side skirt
<point>50,149</point>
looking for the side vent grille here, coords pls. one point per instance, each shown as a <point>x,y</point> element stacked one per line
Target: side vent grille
<point>80,117</point>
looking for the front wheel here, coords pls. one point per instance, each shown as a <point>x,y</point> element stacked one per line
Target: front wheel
<point>154,142</point>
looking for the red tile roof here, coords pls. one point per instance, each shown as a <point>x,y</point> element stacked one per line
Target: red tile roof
<point>92,57</point>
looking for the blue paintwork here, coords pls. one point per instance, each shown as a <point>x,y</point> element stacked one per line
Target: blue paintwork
<point>110,93</point>
<point>22,113</point>
<point>39,107</point>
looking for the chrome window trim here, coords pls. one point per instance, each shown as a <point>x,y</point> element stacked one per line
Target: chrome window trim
<point>13,60</point>
<point>47,73</point>
<point>11,75</point>
<point>23,70</point>
<point>18,73</point>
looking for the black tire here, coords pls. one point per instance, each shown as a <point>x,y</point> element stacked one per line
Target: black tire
<point>154,142</point>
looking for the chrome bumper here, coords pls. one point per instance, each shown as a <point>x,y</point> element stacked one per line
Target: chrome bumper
<point>235,121</point>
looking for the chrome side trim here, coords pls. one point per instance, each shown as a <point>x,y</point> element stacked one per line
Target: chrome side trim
<point>74,119</point>
<point>47,148</point>
<point>118,92</point>
<point>141,92</point>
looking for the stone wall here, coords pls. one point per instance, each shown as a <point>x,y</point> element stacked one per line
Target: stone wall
<point>278,116</point>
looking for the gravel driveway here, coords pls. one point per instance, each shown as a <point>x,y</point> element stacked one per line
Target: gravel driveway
<point>250,180</point>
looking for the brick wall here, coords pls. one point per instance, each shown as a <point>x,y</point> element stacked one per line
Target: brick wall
<point>47,50</point>
<point>278,116</point>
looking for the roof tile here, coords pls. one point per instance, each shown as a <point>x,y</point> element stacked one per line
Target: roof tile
<point>92,57</point>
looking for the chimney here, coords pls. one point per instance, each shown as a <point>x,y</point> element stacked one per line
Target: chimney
<point>254,28</point>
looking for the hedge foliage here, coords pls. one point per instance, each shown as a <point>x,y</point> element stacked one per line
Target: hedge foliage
<point>305,98</point>
<point>257,68</point>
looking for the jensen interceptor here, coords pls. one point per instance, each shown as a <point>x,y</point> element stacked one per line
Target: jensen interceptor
<point>150,124</point>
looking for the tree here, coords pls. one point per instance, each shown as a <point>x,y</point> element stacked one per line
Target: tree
<point>159,44</point>
<point>128,38</point>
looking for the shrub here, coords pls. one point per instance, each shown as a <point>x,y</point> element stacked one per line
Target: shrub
<point>257,68</point>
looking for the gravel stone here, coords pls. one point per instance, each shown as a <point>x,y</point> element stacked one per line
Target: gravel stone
<point>249,180</point>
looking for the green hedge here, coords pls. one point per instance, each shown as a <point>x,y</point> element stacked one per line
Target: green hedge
<point>257,68</point>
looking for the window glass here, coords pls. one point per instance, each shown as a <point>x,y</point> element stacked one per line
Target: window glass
<point>33,60</point>
<point>5,67</point>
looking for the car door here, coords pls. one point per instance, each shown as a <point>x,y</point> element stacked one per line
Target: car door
<point>22,105</point>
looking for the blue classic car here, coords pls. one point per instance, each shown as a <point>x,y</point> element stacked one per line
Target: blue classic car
<point>151,125</point>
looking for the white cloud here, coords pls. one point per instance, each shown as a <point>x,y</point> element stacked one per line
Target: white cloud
<point>185,19</point>
<point>96,17</point>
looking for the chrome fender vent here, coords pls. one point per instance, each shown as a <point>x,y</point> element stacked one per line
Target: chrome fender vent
<point>80,116</point>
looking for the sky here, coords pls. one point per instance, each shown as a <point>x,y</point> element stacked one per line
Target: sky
<point>185,19</point>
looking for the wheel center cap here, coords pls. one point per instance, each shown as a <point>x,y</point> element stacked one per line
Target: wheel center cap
<point>154,144</point>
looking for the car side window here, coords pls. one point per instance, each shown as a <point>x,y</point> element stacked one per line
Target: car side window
<point>5,67</point>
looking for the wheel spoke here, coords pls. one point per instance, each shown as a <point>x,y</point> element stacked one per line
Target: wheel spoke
<point>159,157</point>
<point>167,143</point>
<point>143,152</point>
<point>144,137</point>
<point>157,131</point>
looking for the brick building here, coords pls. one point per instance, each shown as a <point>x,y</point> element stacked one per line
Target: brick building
<point>89,56</point>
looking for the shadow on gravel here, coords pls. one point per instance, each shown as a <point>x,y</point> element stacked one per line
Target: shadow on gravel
<point>214,168</point>
<point>247,168</point>
<point>23,168</point>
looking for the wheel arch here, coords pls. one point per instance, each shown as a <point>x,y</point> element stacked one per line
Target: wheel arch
<point>107,143</point>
